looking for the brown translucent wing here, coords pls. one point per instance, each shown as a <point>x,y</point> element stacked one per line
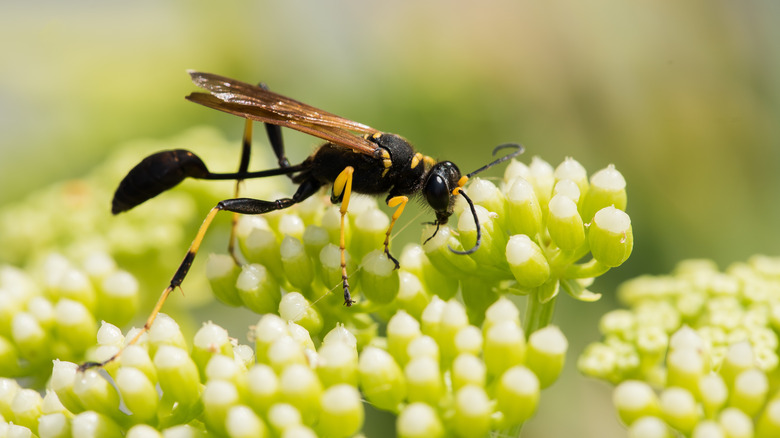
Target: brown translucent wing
<point>255,103</point>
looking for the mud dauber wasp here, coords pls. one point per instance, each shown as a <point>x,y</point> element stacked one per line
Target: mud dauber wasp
<point>373,164</point>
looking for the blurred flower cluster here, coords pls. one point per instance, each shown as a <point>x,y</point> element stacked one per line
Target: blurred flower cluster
<point>439,342</point>
<point>696,351</point>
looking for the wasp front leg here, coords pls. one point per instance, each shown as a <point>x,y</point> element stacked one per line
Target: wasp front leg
<point>342,189</point>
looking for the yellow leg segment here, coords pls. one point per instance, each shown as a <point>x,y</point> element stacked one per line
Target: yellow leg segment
<point>178,277</point>
<point>246,143</point>
<point>342,189</point>
<point>400,202</point>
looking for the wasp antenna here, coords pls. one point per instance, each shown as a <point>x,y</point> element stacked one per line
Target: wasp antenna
<point>434,231</point>
<point>518,149</point>
<point>476,222</point>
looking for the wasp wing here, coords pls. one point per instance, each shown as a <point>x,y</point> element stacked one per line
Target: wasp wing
<point>256,103</point>
<point>336,136</point>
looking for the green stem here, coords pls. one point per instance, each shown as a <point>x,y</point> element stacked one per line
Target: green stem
<point>540,307</point>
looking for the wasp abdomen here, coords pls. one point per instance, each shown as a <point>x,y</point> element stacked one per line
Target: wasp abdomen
<point>154,175</point>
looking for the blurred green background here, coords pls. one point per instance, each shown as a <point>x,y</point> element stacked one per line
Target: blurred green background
<point>683,97</point>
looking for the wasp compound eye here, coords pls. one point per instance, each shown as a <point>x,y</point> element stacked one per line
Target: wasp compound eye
<point>437,193</point>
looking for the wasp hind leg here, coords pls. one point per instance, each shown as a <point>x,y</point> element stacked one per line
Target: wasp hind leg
<point>236,205</point>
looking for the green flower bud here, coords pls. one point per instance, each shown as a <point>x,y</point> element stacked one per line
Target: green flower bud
<point>138,393</point>
<point>218,397</point>
<point>414,260</point>
<point>708,429</point>
<point>283,416</point>
<point>517,396</point>
<point>74,285</point>
<point>381,379</point>
<point>437,249</point>
<point>494,239</point>
<point>222,273</point>
<point>261,247</point>
<point>768,425</point>
<point>285,352</point>
<point>96,393</point>
<point>165,331</point>
<point>258,289</point>
<point>56,425</point>
<point>524,210</point>
<point>468,369</point>
<point>504,347</point>
<point>299,386</point>
<point>712,393</point>
<point>453,319</point>
<point>298,267</point>
<point>26,408</point>
<point>330,269</point>
<point>228,369</point>
<point>302,337</point>
<point>423,346</point>
<point>515,169</point>
<point>541,176</point>
<point>379,278</point>
<point>369,232</point>
<point>137,357</point>
<point>331,222</point>
<point>262,388</point>
<point>75,324</point>
<point>546,354</point>
<point>295,307</point>
<point>411,297</point>
<point>424,381</point>
<point>486,194</point>
<point>749,392</point>
<point>472,412</point>
<point>600,361</point>
<point>419,420</point>
<point>62,379</point>
<point>291,225</point>
<point>679,409</point>
<point>178,375</point>
<point>242,422</point>
<point>736,423</point>
<point>270,328</point>
<point>29,337</point>
<point>401,330</point>
<point>649,427</point>
<point>431,316</point>
<point>738,359</point>
<point>342,412</point>
<point>607,187</point>
<point>633,400</point>
<point>527,261</point>
<point>468,340</point>
<point>210,340</point>
<point>91,424</point>
<point>338,363</point>
<point>567,188</point>
<point>685,367</point>
<point>565,224</point>
<point>570,169</point>
<point>314,239</point>
<point>118,298</point>
<point>610,237</point>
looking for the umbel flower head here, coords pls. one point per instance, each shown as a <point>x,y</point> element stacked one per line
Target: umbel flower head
<point>696,350</point>
<point>439,342</point>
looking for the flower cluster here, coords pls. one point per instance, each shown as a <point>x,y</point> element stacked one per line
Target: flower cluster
<point>440,375</point>
<point>705,340</point>
<point>438,342</point>
<point>52,312</point>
